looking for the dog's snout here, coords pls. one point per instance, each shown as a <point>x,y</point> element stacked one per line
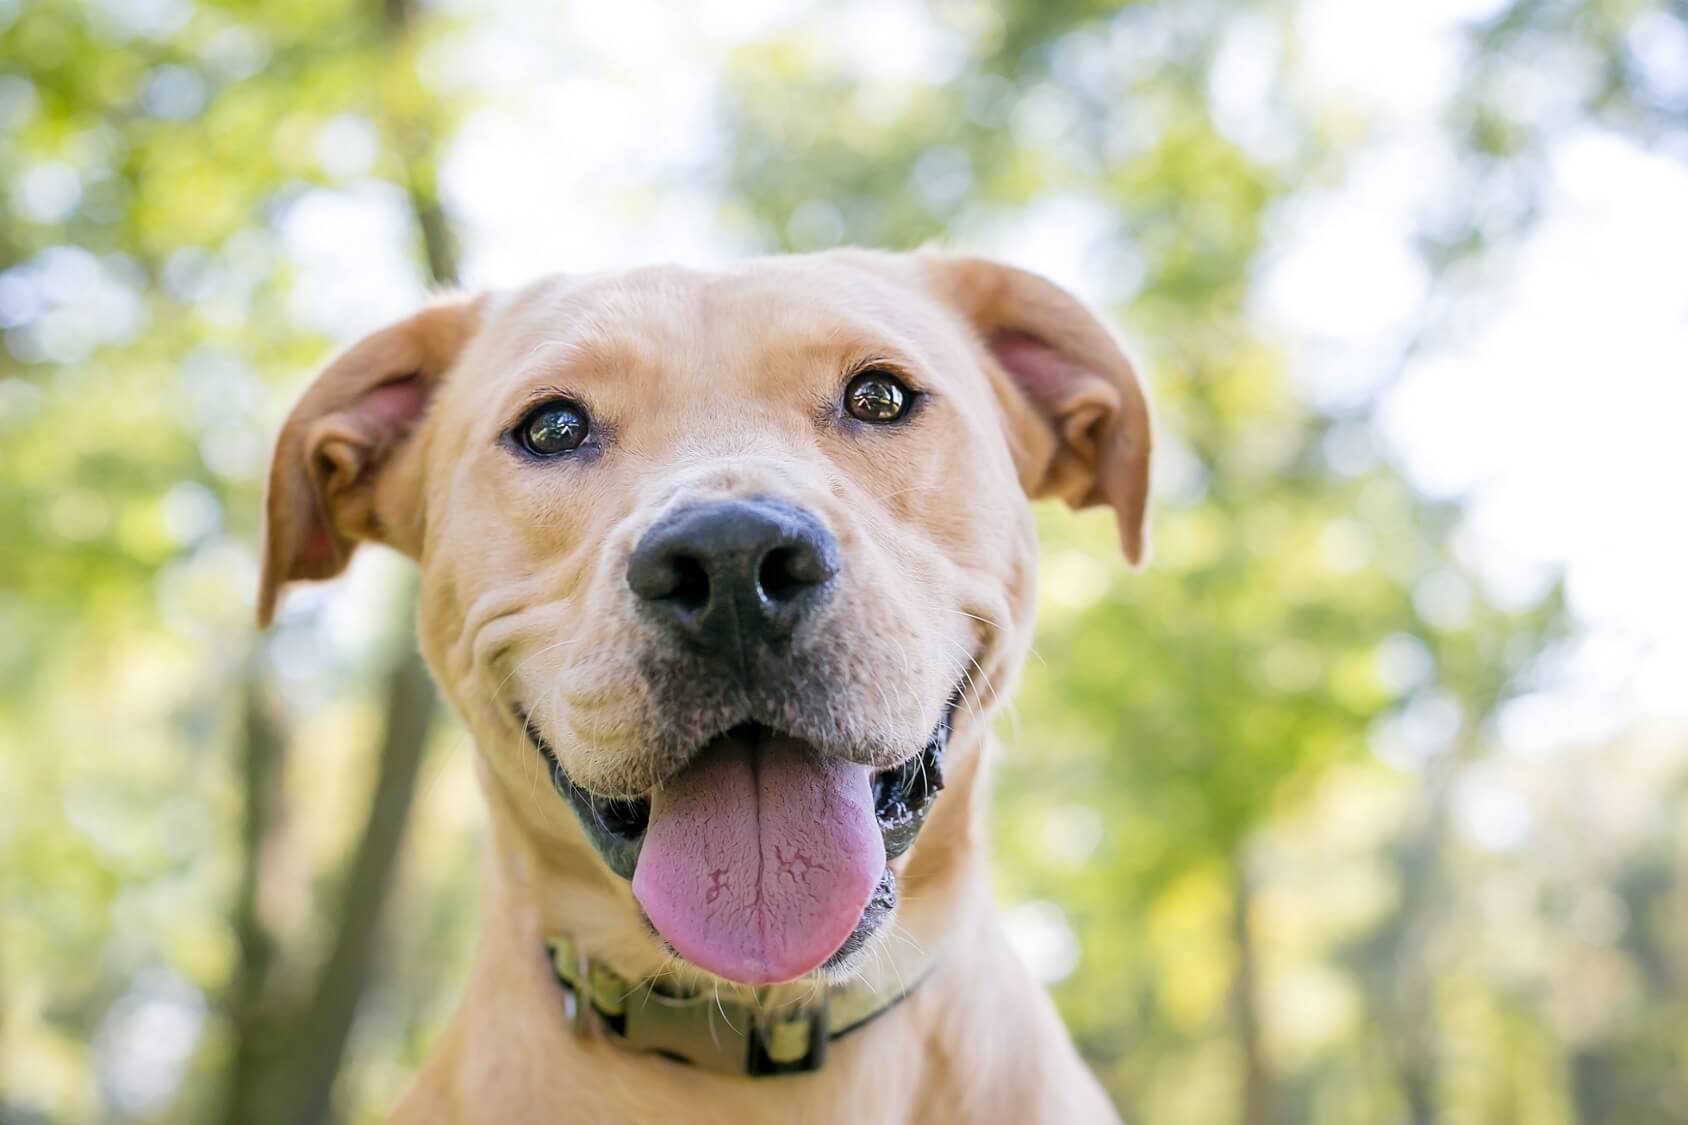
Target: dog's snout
<point>728,573</point>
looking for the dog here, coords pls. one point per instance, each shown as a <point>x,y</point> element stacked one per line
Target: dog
<point>725,571</point>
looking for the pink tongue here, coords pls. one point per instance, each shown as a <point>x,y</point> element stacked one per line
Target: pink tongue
<point>759,860</point>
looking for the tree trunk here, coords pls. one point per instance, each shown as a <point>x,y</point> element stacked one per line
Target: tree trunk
<point>320,1037</point>
<point>1259,1095</point>
<point>262,746</point>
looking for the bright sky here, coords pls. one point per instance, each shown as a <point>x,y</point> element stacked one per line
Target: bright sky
<point>1553,410</point>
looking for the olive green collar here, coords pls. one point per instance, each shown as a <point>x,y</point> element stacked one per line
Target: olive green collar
<point>725,1036</point>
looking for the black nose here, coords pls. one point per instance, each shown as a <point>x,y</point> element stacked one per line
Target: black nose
<point>730,574</point>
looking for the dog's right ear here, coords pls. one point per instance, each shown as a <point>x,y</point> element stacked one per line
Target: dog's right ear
<point>1078,419</point>
<point>343,470</point>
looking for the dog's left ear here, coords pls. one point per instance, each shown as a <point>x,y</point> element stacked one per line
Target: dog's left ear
<point>1078,419</point>
<point>344,468</point>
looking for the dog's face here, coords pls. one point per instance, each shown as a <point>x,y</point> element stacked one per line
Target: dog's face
<point>726,555</point>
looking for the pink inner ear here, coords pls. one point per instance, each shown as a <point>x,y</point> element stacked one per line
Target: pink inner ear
<point>1040,371</point>
<point>386,413</point>
<point>318,548</point>
<point>377,420</point>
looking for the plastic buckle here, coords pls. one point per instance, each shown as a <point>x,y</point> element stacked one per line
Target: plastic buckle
<point>569,967</point>
<point>774,1047</point>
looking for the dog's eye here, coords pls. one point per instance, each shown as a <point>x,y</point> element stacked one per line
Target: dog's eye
<point>554,428</point>
<point>877,396</point>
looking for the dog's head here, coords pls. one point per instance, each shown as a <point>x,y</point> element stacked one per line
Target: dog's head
<point>727,554</point>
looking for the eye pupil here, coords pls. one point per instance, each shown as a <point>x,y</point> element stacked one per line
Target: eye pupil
<point>876,396</point>
<point>556,427</point>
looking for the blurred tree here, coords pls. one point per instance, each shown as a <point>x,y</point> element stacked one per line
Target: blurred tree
<point>156,154</point>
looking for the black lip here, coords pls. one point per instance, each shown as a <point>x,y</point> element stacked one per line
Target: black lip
<point>903,796</point>
<point>615,825</point>
<point>878,909</point>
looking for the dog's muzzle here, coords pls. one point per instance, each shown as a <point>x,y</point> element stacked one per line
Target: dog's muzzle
<point>761,849</point>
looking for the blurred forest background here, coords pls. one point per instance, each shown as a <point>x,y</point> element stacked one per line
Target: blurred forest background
<point>1364,804</point>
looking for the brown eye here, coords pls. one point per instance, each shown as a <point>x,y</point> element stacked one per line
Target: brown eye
<point>877,396</point>
<point>554,428</point>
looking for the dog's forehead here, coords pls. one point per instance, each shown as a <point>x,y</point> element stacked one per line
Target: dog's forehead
<point>764,308</point>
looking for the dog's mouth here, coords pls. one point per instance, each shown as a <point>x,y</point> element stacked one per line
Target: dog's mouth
<point>763,859</point>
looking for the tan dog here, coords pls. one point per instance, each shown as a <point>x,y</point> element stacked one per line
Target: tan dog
<point>740,561</point>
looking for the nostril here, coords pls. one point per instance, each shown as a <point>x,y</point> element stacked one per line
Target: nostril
<point>691,583</point>
<point>786,572</point>
<point>778,576</point>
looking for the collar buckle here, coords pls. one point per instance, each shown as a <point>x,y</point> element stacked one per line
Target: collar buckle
<point>795,1045</point>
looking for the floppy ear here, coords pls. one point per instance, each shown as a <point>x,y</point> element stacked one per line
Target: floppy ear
<point>1078,420</point>
<point>343,470</point>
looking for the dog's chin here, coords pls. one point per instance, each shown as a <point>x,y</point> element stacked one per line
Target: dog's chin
<point>833,889</point>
